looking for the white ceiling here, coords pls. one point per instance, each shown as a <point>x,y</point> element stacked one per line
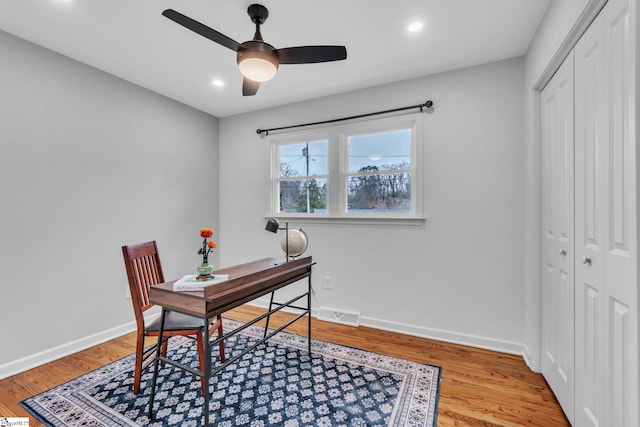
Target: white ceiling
<point>132,40</point>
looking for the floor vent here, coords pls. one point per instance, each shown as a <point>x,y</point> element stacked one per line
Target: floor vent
<point>351,318</point>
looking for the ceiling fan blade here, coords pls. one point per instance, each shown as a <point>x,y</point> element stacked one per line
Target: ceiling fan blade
<point>201,29</point>
<point>249,87</point>
<point>311,54</point>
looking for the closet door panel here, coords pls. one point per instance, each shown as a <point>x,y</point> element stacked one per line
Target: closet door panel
<point>558,224</point>
<point>590,136</point>
<point>620,215</point>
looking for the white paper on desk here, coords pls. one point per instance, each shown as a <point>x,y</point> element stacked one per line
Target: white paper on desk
<point>191,283</point>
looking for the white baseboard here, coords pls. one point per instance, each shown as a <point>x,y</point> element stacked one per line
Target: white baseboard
<point>34,360</point>
<point>477,341</point>
<point>529,361</point>
<point>20,365</point>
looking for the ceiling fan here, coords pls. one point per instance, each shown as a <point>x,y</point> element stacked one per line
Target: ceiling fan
<point>258,61</point>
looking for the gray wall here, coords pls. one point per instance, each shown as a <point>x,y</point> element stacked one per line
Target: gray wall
<point>457,277</point>
<point>88,163</point>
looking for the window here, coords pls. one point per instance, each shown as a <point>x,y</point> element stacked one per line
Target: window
<point>378,175</point>
<point>303,177</point>
<point>370,169</point>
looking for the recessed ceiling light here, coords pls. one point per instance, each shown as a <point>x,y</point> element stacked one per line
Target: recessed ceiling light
<point>217,83</point>
<point>415,26</point>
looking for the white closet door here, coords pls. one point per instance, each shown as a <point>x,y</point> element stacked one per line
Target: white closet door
<point>620,215</point>
<point>558,223</point>
<point>590,147</point>
<point>606,220</point>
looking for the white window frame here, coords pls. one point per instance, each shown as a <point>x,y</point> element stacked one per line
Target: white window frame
<point>291,139</point>
<point>337,164</point>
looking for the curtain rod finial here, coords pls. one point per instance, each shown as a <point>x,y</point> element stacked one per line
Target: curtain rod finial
<point>428,104</point>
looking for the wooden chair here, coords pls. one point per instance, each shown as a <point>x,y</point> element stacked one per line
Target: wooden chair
<point>144,270</point>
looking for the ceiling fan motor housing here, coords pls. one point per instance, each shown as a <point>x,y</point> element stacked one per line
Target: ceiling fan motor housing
<point>254,51</point>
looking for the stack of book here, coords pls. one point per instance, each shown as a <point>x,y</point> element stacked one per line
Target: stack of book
<point>193,283</point>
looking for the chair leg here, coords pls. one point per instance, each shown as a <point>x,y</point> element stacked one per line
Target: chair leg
<point>200,345</point>
<point>137,371</point>
<point>163,350</point>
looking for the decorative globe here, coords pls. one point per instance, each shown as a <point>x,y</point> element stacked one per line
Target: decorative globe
<point>298,242</point>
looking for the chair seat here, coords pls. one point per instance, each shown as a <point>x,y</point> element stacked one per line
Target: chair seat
<point>175,321</point>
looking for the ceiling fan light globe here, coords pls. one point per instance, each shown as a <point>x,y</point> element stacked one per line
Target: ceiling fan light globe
<point>258,61</point>
<point>258,69</point>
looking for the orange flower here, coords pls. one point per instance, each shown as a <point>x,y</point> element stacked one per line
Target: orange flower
<point>207,246</point>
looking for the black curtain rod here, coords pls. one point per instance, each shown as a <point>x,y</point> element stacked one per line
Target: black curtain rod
<point>427,104</point>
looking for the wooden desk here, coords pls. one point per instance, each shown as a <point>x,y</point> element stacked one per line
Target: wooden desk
<point>246,282</point>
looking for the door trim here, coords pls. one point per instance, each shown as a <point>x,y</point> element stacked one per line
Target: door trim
<point>583,22</point>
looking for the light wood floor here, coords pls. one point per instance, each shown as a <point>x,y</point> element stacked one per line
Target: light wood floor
<point>479,387</point>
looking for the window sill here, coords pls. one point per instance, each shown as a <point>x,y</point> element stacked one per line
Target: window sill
<point>333,220</point>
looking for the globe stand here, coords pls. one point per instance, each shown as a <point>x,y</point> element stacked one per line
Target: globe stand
<point>286,230</point>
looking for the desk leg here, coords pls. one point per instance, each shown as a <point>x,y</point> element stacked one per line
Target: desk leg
<point>309,314</point>
<point>155,363</point>
<point>206,370</point>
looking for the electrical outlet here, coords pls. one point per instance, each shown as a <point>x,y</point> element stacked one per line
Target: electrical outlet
<point>327,282</point>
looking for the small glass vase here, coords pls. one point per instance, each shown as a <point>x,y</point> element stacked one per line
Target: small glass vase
<point>205,270</point>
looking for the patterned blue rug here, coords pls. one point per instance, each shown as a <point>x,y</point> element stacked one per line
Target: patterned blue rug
<point>277,384</point>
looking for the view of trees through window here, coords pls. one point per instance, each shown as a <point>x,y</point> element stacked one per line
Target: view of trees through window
<point>379,172</point>
<point>379,192</point>
<point>376,172</point>
<point>306,195</point>
<point>303,172</point>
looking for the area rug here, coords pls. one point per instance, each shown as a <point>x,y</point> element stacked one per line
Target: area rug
<point>276,384</point>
